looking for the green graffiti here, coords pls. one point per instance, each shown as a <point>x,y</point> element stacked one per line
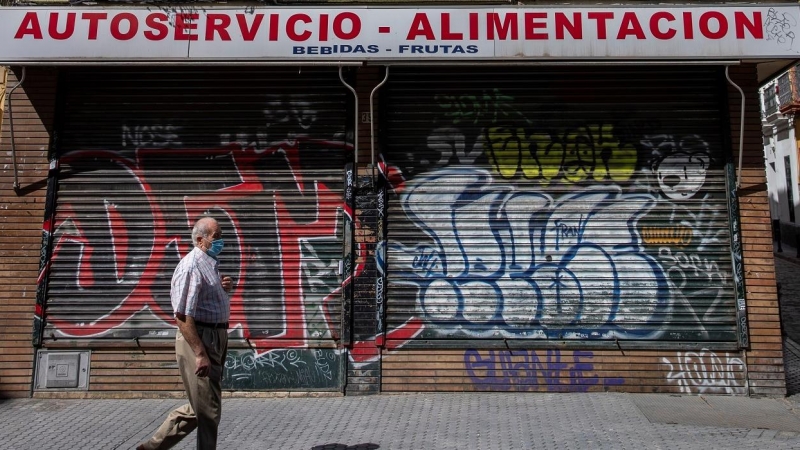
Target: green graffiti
<point>487,107</point>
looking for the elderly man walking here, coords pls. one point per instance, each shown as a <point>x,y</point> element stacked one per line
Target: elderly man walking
<point>201,305</point>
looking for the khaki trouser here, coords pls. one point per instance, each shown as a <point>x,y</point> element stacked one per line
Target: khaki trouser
<point>205,394</point>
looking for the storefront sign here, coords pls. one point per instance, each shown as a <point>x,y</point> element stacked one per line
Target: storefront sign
<point>361,34</point>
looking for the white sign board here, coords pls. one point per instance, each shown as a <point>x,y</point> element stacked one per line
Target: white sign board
<point>396,33</point>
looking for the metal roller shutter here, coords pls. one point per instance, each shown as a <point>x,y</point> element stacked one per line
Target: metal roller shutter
<point>575,204</point>
<point>144,152</point>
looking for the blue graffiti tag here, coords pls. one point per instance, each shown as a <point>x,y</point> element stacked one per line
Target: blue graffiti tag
<point>523,370</point>
<point>504,262</point>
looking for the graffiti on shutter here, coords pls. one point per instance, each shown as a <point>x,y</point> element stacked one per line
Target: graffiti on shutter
<point>526,218</point>
<point>136,174</point>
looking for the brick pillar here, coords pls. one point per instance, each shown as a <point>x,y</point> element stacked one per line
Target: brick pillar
<point>764,356</point>
<point>33,109</point>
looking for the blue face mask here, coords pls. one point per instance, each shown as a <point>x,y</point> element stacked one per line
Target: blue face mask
<point>216,247</point>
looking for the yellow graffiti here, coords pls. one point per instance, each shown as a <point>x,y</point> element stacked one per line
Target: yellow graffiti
<point>587,153</point>
<point>510,152</point>
<point>678,236</point>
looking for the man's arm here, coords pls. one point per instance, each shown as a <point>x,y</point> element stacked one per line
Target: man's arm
<point>189,331</point>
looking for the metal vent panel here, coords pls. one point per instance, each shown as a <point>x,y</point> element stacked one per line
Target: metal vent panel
<point>62,370</point>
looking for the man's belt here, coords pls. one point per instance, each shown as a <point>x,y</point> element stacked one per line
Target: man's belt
<point>223,325</point>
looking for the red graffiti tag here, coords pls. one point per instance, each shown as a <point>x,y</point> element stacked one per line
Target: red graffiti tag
<point>69,229</point>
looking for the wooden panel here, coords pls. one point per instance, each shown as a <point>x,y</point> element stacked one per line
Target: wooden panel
<point>765,356</point>
<point>703,372</point>
<point>134,370</point>
<point>32,106</point>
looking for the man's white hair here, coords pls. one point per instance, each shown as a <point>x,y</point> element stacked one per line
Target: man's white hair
<point>203,227</point>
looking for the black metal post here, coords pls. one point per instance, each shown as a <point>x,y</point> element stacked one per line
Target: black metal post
<point>776,233</point>
<point>797,244</point>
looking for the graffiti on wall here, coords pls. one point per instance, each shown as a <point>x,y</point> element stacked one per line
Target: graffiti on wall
<point>522,228</point>
<point>705,372</point>
<point>778,28</point>
<point>539,247</point>
<point>313,272</point>
<point>275,191</point>
<point>476,108</point>
<point>283,369</point>
<point>591,152</point>
<point>529,370</point>
<point>380,266</point>
<point>678,163</point>
<point>586,229</point>
<point>151,136</point>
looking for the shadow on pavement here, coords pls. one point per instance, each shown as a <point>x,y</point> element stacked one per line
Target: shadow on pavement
<point>791,361</point>
<point>787,274</point>
<point>346,447</point>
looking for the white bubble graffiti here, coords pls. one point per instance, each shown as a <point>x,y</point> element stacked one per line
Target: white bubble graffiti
<point>707,373</point>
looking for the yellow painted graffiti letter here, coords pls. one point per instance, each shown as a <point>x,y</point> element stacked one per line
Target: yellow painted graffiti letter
<point>510,152</point>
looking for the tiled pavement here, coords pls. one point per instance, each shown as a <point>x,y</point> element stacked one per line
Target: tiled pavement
<point>787,270</point>
<point>418,421</point>
<point>791,359</point>
<point>444,421</point>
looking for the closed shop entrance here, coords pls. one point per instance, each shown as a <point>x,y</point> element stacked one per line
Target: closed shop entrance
<point>142,155</point>
<point>555,216</point>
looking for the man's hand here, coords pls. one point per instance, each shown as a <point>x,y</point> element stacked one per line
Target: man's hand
<point>227,283</point>
<point>188,329</point>
<point>203,365</point>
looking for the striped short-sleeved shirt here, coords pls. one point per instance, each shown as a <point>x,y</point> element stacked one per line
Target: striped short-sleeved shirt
<point>197,289</point>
